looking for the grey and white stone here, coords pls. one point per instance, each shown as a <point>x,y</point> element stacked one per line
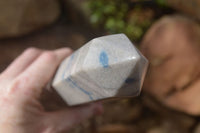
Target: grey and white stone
<point>105,67</point>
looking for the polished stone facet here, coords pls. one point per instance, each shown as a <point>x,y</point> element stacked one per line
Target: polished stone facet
<point>106,67</point>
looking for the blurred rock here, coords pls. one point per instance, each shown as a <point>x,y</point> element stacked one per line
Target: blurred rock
<point>190,7</point>
<point>20,17</point>
<point>58,35</point>
<point>172,46</point>
<point>77,11</point>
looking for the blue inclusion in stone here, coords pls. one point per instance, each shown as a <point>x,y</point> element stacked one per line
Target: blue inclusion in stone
<point>129,80</point>
<point>69,79</point>
<point>68,65</point>
<point>103,59</point>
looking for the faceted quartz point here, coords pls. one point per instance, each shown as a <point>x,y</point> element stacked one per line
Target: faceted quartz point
<point>106,67</point>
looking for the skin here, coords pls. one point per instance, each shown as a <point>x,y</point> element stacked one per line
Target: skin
<point>21,85</point>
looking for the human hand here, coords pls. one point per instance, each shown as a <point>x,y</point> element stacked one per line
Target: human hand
<point>21,85</point>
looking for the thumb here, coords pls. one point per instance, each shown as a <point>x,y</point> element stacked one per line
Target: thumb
<point>64,120</point>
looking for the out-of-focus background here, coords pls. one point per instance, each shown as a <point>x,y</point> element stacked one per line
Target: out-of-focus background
<point>166,31</point>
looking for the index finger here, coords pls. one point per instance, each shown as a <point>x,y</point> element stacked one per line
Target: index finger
<point>37,75</point>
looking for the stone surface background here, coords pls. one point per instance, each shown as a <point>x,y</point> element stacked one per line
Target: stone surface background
<point>169,102</point>
<point>173,49</point>
<point>20,17</point>
<point>190,8</point>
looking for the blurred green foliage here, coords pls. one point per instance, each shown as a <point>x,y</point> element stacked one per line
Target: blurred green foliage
<point>115,16</point>
<point>161,2</point>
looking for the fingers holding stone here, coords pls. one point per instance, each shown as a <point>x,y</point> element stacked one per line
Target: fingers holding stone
<point>21,63</point>
<point>63,52</point>
<point>37,75</point>
<point>18,66</point>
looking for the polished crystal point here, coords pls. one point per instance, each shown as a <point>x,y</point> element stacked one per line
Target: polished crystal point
<point>106,67</point>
